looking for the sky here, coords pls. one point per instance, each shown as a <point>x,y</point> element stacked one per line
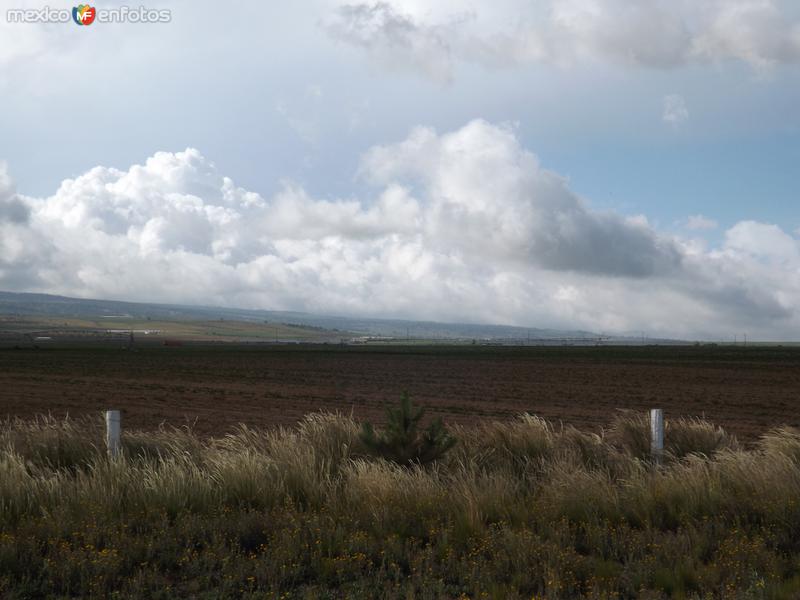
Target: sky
<point>582,164</point>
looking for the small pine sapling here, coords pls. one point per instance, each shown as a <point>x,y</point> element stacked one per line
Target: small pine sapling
<point>401,441</point>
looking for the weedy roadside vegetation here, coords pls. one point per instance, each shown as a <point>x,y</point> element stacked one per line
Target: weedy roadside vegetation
<point>519,509</point>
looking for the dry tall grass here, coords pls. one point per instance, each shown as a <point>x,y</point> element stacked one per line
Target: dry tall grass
<point>516,509</point>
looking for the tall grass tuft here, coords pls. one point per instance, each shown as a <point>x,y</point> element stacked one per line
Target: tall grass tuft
<point>684,436</point>
<point>783,441</point>
<point>516,446</point>
<point>629,432</point>
<point>54,443</point>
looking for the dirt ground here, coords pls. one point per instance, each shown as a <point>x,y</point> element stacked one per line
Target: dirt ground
<point>746,390</point>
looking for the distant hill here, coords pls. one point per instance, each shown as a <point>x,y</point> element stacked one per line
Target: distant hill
<point>46,305</point>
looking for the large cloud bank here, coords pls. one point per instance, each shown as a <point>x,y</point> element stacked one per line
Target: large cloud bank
<point>459,226</point>
<point>432,37</point>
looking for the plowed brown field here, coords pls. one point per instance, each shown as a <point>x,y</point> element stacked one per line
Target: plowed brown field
<point>746,390</point>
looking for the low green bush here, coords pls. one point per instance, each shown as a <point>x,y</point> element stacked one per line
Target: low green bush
<point>402,441</point>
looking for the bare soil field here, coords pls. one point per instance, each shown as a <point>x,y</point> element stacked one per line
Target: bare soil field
<point>214,387</point>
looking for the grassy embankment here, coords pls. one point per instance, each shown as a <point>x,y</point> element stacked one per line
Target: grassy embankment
<point>515,509</point>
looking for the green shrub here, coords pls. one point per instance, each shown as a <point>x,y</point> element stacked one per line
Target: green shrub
<point>402,441</point>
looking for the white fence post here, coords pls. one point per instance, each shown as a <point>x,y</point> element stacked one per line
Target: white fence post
<point>113,430</point>
<point>657,434</point>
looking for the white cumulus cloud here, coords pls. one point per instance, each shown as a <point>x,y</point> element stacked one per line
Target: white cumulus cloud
<point>462,225</point>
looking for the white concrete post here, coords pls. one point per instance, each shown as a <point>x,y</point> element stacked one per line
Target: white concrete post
<point>113,431</point>
<point>657,434</point>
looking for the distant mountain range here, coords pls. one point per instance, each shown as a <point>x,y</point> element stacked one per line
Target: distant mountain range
<point>26,304</point>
